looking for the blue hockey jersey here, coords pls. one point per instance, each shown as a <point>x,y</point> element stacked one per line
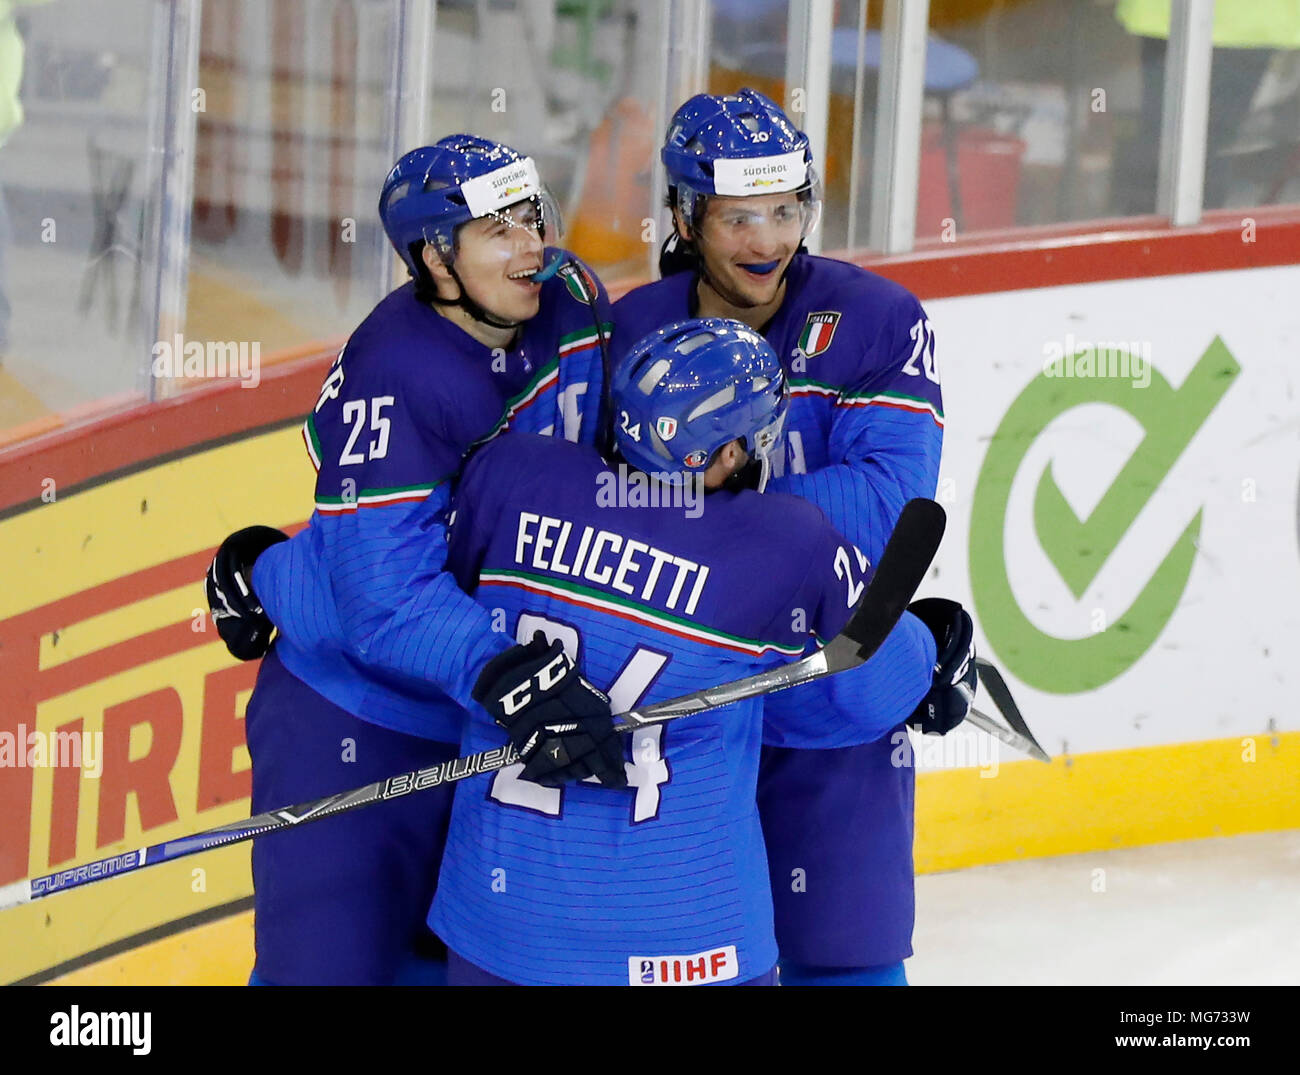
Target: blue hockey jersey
<point>367,615</point>
<point>863,436</point>
<point>666,882</point>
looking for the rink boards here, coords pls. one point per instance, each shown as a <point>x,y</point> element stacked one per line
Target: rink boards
<point>1127,540</point>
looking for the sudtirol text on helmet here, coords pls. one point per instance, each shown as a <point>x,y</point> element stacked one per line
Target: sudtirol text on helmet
<point>433,190</point>
<point>738,145</point>
<point>687,389</point>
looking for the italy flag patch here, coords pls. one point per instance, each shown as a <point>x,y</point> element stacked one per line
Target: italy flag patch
<point>818,332</point>
<point>579,282</point>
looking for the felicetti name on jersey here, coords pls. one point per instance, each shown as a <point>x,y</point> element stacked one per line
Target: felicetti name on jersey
<point>606,558</point>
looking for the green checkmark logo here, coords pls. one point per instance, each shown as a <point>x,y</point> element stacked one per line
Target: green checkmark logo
<point>1079,547</point>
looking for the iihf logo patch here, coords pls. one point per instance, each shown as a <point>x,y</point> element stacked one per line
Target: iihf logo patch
<point>719,965</point>
<point>818,332</point>
<point>696,458</point>
<point>666,428</point>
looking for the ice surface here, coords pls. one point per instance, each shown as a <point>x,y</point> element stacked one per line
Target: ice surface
<point>1204,912</point>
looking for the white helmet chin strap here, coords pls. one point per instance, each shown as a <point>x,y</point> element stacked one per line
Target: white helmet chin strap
<point>754,473</point>
<point>765,471</point>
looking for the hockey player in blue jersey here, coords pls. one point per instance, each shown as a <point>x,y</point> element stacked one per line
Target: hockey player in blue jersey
<point>664,883</point>
<point>863,437</point>
<point>379,649</point>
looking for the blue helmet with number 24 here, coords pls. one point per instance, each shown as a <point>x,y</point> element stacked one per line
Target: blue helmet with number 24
<point>687,389</point>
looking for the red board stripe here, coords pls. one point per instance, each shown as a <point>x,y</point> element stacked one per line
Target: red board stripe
<point>1087,252</point>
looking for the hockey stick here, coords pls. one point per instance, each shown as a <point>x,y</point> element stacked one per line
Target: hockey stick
<point>987,724</point>
<point>902,566</point>
<point>1019,736</point>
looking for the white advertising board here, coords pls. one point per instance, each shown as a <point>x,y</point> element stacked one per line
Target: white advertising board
<point>1122,478</point>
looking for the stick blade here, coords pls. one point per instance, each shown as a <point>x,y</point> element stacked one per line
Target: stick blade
<point>992,682</point>
<point>902,567</point>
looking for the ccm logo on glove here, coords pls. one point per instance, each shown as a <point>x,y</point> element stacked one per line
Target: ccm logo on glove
<point>559,723</point>
<point>547,678</point>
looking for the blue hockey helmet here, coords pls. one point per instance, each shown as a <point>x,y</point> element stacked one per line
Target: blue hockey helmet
<point>687,389</point>
<point>435,189</point>
<point>738,145</point>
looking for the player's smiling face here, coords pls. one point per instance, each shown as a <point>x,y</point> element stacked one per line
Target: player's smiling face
<point>747,243</point>
<point>496,257</point>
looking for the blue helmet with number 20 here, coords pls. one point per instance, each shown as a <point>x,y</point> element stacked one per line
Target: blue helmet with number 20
<point>738,145</point>
<point>689,388</point>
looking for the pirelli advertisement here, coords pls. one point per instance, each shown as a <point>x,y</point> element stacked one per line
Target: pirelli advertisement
<point>1123,487</point>
<point>123,716</point>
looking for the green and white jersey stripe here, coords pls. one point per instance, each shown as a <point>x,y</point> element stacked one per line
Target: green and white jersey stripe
<point>370,498</point>
<point>312,440</point>
<point>896,400</point>
<point>584,596</point>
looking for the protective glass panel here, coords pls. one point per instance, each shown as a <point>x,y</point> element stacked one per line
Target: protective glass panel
<point>1034,114</point>
<point>1252,153</point>
<point>292,145</point>
<point>576,85</point>
<point>77,85</point>
<point>751,46</point>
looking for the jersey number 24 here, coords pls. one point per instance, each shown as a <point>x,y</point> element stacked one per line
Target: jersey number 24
<point>647,770</point>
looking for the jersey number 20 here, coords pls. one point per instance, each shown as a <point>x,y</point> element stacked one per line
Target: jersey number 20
<point>922,348</point>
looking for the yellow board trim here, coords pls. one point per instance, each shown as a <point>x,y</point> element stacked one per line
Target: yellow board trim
<point>1113,798</point>
<point>215,953</point>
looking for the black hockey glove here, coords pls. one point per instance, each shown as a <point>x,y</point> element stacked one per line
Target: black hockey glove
<point>953,688</point>
<point>560,724</point>
<point>242,624</point>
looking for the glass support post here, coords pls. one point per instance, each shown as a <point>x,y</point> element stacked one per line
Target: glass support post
<point>896,161</point>
<point>1180,184</point>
